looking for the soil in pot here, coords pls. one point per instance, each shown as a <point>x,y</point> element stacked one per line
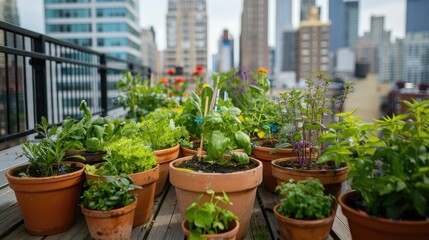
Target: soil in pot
<point>201,166</point>
<point>113,224</point>
<point>366,227</point>
<point>331,177</point>
<point>228,235</point>
<point>90,157</point>
<point>47,204</point>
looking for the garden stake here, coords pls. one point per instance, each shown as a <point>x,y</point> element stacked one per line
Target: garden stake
<point>202,138</point>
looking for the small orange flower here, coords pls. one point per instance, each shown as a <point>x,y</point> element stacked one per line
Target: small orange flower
<point>179,80</point>
<point>163,80</point>
<point>199,68</point>
<point>262,70</point>
<point>171,71</point>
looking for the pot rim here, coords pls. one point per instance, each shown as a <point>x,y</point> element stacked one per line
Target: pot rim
<point>112,213</point>
<point>234,229</point>
<point>295,221</point>
<point>274,163</point>
<point>10,176</point>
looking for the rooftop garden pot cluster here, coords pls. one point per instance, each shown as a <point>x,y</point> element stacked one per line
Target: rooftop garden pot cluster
<point>300,145</point>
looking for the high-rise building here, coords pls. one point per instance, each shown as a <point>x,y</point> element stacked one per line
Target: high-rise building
<point>186,34</point>
<point>417,16</point>
<point>289,53</point>
<point>377,34</point>
<point>344,17</point>
<point>416,58</point>
<point>398,53</point>
<point>305,9</point>
<point>283,24</point>
<point>149,50</point>
<point>225,54</point>
<point>312,46</point>
<point>108,26</point>
<point>254,52</point>
<point>9,12</point>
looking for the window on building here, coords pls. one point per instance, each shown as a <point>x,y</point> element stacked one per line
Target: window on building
<point>68,13</point>
<point>52,28</point>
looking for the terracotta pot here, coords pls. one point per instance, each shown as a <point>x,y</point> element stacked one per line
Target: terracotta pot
<point>90,157</point>
<point>145,197</point>
<point>113,224</point>
<point>365,227</point>
<point>229,235</point>
<point>164,157</point>
<point>296,229</point>
<point>331,179</point>
<point>190,152</point>
<point>47,204</point>
<point>263,154</point>
<point>189,185</point>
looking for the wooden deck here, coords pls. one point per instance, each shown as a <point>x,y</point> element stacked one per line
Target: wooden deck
<point>164,222</point>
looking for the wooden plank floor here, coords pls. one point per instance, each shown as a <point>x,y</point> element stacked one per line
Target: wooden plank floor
<point>164,222</point>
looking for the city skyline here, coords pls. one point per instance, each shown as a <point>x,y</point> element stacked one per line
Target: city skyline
<point>153,13</point>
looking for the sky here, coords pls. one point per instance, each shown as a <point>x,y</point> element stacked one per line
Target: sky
<point>226,14</point>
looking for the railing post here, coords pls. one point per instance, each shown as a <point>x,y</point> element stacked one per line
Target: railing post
<point>103,84</point>
<point>40,88</point>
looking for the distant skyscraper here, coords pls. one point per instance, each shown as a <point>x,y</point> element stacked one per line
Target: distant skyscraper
<point>417,16</point>
<point>149,50</point>
<point>111,26</point>
<point>289,53</point>
<point>9,12</point>
<point>305,9</point>
<point>312,46</point>
<point>225,54</point>
<point>186,34</point>
<point>254,51</point>
<point>416,58</point>
<point>344,17</point>
<point>377,34</point>
<point>283,23</point>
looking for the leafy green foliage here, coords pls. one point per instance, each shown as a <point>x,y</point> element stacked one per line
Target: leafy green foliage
<point>140,97</point>
<point>126,156</point>
<point>209,217</point>
<point>163,133</point>
<point>304,200</point>
<point>388,160</point>
<point>46,156</point>
<point>112,194</point>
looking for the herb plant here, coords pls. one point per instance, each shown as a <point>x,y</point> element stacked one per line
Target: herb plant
<point>112,194</point>
<point>209,218</point>
<point>46,157</point>
<point>304,200</point>
<point>307,112</point>
<point>388,161</point>
<point>163,133</point>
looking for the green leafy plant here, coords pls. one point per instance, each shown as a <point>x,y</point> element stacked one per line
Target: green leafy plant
<point>209,217</point>
<point>388,160</point>
<point>46,156</point>
<point>163,133</point>
<point>304,200</point>
<point>112,194</point>
<point>87,134</point>
<point>307,112</point>
<point>125,156</point>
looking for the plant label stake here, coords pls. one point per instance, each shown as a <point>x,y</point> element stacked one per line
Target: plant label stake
<point>200,149</point>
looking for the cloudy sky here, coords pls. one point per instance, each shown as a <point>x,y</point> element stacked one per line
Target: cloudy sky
<point>227,13</point>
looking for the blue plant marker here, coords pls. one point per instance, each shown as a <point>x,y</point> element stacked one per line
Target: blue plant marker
<point>199,120</point>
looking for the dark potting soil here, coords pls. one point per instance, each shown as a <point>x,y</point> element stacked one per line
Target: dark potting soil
<point>36,172</point>
<point>202,166</point>
<point>313,166</point>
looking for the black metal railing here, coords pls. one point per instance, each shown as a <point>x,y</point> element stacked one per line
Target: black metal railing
<point>43,76</point>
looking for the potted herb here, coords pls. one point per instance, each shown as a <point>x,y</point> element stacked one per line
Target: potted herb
<point>309,113</point>
<point>388,162</point>
<point>209,220</point>
<point>87,137</point>
<point>130,156</point>
<point>220,169</point>
<point>47,189</point>
<point>109,207</point>
<point>304,212</point>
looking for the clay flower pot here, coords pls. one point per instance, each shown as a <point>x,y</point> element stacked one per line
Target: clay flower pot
<point>263,154</point>
<point>113,224</point>
<point>297,229</point>
<point>331,179</point>
<point>90,157</point>
<point>47,204</point>
<point>229,235</point>
<point>190,152</point>
<point>189,185</point>
<point>164,157</point>
<point>145,196</point>
<point>366,227</point>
